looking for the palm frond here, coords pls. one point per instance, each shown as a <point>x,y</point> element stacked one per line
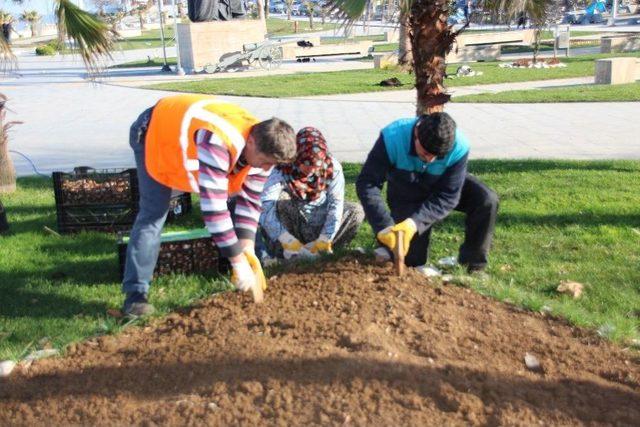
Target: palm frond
<point>347,11</point>
<point>537,10</point>
<point>8,60</point>
<point>93,37</point>
<point>30,16</point>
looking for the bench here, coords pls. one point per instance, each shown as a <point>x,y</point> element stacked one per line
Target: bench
<point>486,46</point>
<point>294,51</point>
<point>614,44</point>
<point>617,70</point>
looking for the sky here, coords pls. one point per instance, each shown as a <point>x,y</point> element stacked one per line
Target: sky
<point>44,7</point>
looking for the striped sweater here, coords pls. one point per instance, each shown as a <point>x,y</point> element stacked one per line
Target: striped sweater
<point>227,227</point>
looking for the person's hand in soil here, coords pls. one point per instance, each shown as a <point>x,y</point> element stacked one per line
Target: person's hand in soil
<point>292,247</point>
<point>388,236</point>
<point>242,276</point>
<point>322,245</point>
<point>256,267</point>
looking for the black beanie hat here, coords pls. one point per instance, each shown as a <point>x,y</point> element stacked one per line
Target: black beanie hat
<point>436,132</point>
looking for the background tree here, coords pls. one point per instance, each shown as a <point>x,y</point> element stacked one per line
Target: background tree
<point>405,57</point>
<point>260,5</point>
<point>311,7</point>
<point>31,17</point>
<point>142,10</point>
<point>180,8</point>
<point>114,19</point>
<point>289,5</point>
<point>431,39</point>
<point>324,12</point>
<point>7,170</point>
<point>538,11</point>
<point>5,17</point>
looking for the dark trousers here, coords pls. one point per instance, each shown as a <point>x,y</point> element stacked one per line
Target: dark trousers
<point>295,222</point>
<point>480,205</point>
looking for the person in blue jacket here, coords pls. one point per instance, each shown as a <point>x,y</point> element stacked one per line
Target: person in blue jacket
<point>424,162</point>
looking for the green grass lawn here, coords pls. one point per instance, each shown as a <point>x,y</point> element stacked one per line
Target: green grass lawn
<point>546,34</point>
<point>275,27</point>
<point>148,39</point>
<point>155,62</point>
<point>338,40</point>
<point>558,221</point>
<point>580,93</point>
<point>283,27</point>
<point>547,47</point>
<point>355,81</point>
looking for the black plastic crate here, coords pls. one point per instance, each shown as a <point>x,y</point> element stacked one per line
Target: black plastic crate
<point>4,224</point>
<point>86,186</point>
<point>180,205</point>
<point>187,252</point>
<point>103,200</point>
<point>95,200</point>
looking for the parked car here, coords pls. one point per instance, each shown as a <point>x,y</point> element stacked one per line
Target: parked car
<point>278,7</point>
<point>295,9</point>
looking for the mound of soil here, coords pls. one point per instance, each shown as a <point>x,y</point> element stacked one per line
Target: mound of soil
<point>337,344</point>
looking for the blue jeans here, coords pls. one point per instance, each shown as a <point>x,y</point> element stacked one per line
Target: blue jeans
<point>144,241</point>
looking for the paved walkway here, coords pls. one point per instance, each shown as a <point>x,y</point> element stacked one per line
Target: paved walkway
<point>69,121</point>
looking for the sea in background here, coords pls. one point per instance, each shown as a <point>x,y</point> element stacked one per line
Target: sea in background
<point>44,7</point>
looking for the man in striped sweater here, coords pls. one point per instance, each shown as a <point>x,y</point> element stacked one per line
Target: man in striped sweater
<point>199,144</point>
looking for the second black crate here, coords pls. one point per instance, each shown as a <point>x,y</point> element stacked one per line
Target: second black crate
<point>187,252</point>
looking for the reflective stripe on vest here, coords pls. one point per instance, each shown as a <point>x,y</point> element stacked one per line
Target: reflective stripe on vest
<point>171,151</point>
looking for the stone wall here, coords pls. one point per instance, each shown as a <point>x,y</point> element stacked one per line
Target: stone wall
<point>619,44</point>
<point>616,70</point>
<point>205,43</point>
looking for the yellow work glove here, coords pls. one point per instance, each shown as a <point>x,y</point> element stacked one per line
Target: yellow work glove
<point>292,246</point>
<point>388,236</point>
<point>322,244</point>
<point>242,276</point>
<point>254,262</point>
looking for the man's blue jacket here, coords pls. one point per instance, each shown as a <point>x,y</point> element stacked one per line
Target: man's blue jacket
<point>433,188</point>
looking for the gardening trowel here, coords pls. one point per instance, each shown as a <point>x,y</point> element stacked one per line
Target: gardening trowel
<point>258,294</point>
<point>398,253</point>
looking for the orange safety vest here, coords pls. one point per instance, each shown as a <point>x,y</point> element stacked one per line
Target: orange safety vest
<point>171,155</point>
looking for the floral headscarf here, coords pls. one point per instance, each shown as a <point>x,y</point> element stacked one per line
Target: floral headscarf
<point>311,151</point>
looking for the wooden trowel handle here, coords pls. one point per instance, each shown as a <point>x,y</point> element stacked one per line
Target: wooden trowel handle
<point>398,253</point>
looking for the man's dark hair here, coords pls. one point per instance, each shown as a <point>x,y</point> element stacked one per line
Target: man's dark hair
<point>436,133</point>
<point>275,138</point>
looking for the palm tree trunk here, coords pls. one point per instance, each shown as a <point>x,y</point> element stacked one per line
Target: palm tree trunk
<point>260,6</point>
<point>536,42</point>
<point>62,31</point>
<point>7,170</point>
<point>431,40</point>
<point>405,57</point>
<point>32,27</point>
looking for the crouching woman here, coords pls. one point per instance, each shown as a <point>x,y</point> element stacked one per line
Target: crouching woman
<point>303,207</point>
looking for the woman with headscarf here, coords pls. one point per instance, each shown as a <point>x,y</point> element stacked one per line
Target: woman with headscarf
<point>303,207</point>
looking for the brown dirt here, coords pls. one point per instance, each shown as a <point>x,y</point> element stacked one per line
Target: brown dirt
<point>351,345</point>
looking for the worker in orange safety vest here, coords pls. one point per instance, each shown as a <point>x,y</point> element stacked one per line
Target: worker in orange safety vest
<point>200,144</point>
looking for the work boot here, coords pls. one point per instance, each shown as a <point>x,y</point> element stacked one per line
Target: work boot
<point>137,305</point>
